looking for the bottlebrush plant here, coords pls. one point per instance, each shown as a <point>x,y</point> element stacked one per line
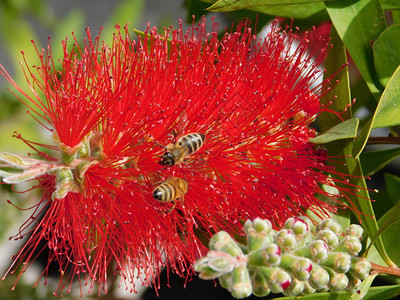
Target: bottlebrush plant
<point>162,141</point>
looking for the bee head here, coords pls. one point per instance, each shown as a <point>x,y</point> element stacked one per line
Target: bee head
<point>157,194</point>
<point>167,159</point>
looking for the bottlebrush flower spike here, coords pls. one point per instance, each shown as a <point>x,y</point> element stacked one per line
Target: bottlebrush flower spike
<point>117,112</point>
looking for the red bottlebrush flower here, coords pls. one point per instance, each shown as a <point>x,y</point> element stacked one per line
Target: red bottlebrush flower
<point>117,112</point>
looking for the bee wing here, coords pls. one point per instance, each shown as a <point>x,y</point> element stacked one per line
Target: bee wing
<point>180,124</point>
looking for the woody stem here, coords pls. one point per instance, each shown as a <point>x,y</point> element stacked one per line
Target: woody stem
<point>377,269</point>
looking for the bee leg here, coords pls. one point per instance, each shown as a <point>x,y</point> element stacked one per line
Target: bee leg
<point>171,209</point>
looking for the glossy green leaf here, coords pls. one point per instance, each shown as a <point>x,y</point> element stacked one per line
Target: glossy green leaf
<point>359,22</point>
<point>389,229</point>
<point>388,111</point>
<point>344,130</point>
<point>364,288</point>
<point>390,4</point>
<point>383,292</point>
<point>373,161</point>
<point>393,187</point>
<point>311,11</point>
<point>229,5</point>
<point>347,164</point>
<point>362,138</point>
<point>386,51</point>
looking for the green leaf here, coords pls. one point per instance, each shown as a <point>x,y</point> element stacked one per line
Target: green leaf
<point>386,113</point>
<point>390,4</point>
<point>362,138</point>
<point>358,23</point>
<point>393,187</point>
<point>373,161</point>
<point>364,288</point>
<point>344,130</point>
<point>229,5</point>
<point>347,164</point>
<point>383,292</point>
<point>389,229</point>
<point>386,51</point>
<point>388,110</point>
<point>311,11</point>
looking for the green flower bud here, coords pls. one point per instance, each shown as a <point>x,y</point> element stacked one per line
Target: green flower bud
<point>360,267</point>
<point>222,241</point>
<point>330,224</point>
<point>338,281</point>
<point>300,267</point>
<point>350,244</point>
<point>258,233</point>
<point>64,175</point>
<point>225,280</point>
<point>294,289</point>
<point>354,282</point>
<point>355,230</point>
<point>241,285</point>
<point>214,265</point>
<point>259,283</point>
<point>329,237</point>
<point>308,289</point>
<point>83,151</point>
<point>319,278</point>
<point>338,261</point>
<point>286,240</point>
<point>316,250</point>
<point>268,256</point>
<point>277,279</point>
<point>300,228</point>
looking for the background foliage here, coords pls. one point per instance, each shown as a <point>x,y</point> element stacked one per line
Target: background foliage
<point>364,32</point>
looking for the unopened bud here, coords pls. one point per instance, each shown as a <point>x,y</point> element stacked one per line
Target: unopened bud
<point>277,279</point>
<point>350,244</point>
<point>286,240</point>
<point>360,267</point>
<point>338,281</point>
<point>300,228</point>
<point>258,233</point>
<point>329,237</point>
<point>294,289</point>
<point>338,261</point>
<point>300,267</point>
<point>268,256</point>
<point>319,278</point>
<point>355,230</point>
<point>241,284</point>
<point>222,241</point>
<point>330,224</point>
<point>260,284</point>
<point>354,282</point>
<point>308,289</point>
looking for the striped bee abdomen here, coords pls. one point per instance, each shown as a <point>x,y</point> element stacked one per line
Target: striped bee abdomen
<point>170,190</point>
<point>165,192</point>
<point>192,142</point>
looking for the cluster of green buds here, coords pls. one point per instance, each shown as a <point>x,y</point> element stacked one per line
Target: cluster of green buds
<point>292,261</point>
<point>69,171</point>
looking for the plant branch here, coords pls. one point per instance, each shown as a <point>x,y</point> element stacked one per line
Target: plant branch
<point>377,269</point>
<point>383,140</point>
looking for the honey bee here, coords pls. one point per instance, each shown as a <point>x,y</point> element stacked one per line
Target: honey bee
<point>171,190</point>
<point>176,152</point>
